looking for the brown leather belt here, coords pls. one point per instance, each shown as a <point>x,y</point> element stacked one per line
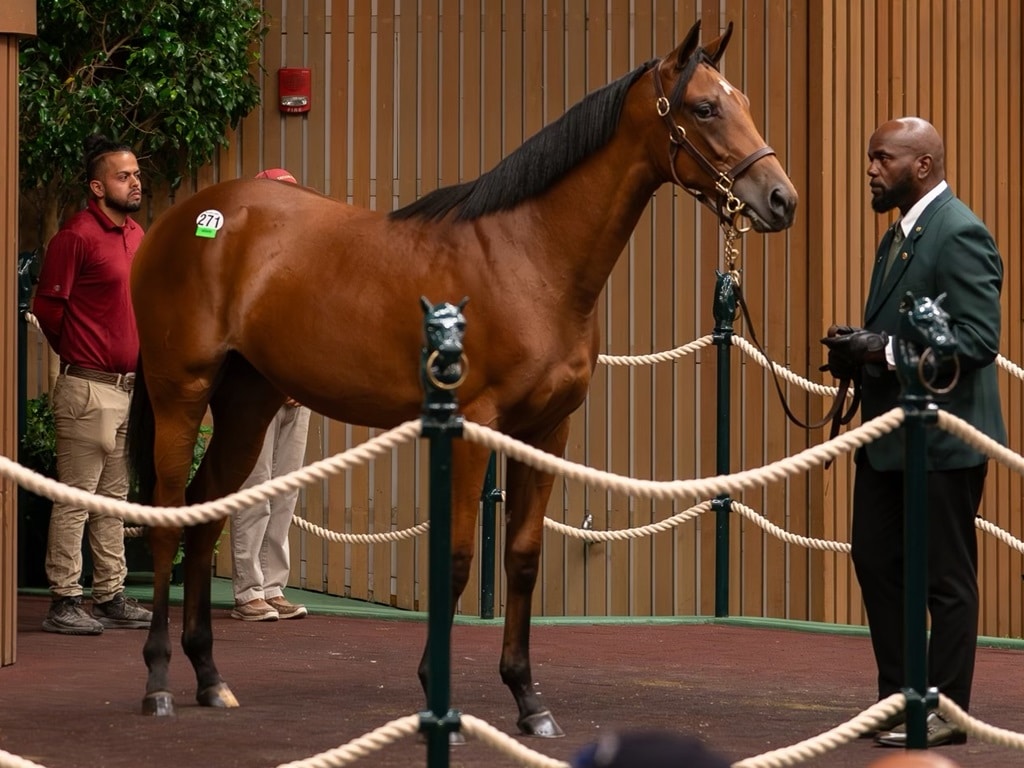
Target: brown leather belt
<point>125,381</point>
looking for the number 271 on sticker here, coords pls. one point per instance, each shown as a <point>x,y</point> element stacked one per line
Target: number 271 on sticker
<point>212,219</point>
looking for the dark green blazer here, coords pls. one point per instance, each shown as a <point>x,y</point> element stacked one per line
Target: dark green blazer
<point>949,251</point>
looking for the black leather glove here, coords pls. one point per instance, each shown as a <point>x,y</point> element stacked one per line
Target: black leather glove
<point>850,348</point>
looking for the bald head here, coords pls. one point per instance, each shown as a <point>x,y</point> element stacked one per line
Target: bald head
<point>906,160</point>
<point>917,135</point>
<point>915,759</point>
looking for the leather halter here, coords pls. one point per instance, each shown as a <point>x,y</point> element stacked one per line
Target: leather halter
<point>729,206</point>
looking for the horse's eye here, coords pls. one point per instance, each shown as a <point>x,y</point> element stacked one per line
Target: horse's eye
<point>704,111</point>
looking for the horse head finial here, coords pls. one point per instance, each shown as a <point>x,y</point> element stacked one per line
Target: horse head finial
<point>725,308</point>
<point>926,348</point>
<point>443,364</point>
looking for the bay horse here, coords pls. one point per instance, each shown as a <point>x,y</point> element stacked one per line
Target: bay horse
<point>250,291</point>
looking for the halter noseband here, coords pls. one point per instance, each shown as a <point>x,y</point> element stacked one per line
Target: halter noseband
<point>729,206</point>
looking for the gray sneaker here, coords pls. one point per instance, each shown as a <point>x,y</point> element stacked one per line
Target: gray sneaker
<point>122,613</point>
<point>67,617</point>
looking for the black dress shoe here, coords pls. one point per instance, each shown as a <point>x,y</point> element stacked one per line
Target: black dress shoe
<point>940,732</point>
<point>891,722</point>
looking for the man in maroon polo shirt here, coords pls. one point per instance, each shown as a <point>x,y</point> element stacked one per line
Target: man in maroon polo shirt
<point>84,307</point>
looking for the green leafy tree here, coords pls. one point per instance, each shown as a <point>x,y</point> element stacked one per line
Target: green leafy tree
<point>167,77</point>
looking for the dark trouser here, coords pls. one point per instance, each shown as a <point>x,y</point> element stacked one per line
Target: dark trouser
<point>877,541</point>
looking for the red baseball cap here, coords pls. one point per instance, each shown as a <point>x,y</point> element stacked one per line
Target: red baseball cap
<point>278,174</point>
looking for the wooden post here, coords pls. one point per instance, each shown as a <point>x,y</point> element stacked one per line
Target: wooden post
<point>17,17</point>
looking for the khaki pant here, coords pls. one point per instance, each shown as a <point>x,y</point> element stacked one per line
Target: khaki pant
<point>260,559</point>
<point>92,422</point>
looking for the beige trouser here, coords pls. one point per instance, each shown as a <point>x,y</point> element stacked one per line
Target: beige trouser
<point>92,422</point>
<point>259,535</point>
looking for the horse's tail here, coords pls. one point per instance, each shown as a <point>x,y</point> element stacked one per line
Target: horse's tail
<point>141,434</point>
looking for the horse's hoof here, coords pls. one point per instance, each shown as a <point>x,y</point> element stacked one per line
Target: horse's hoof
<point>158,704</point>
<point>540,724</point>
<point>218,695</point>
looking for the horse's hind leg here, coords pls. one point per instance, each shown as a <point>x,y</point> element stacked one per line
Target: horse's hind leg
<point>163,543</point>
<point>528,493</point>
<point>162,432</point>
<point>242,406</point>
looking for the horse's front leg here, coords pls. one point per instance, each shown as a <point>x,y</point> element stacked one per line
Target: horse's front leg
<point>197,629</point>
<point>528,493</point>
<point>163,542</point>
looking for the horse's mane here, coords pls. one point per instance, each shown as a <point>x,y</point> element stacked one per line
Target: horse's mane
<point>541,161</point>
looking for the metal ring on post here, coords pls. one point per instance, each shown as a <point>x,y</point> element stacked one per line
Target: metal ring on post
<point>927,355</point>
<point>463,361</point>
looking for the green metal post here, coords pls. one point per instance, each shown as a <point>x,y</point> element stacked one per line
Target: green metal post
<point>725,313</point>
<point>490,496</point>
<point>921,413</point>
<point>443,368</point>
<point>915,568</point>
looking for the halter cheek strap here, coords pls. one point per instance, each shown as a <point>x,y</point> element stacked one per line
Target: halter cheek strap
<point>729,206</point>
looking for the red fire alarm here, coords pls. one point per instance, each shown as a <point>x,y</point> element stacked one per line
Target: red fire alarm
<point>294,89</point>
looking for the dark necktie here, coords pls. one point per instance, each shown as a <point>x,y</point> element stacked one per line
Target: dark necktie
<point>894,248</point>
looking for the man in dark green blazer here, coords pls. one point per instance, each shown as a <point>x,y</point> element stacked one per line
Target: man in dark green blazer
<point>938,246</point>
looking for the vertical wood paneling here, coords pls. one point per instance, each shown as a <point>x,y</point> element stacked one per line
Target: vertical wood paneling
<point>749,423</point>
<point>9,334</point>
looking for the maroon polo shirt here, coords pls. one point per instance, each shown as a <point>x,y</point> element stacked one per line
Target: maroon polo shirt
<point>83,300</point>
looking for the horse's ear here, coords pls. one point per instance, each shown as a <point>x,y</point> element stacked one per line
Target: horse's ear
<point>427,306</point>
<point>688,47</point>
<point>716,48</point>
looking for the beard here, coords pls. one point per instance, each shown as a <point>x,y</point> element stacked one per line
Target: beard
<point>892,197</point>
<point>124,204</point>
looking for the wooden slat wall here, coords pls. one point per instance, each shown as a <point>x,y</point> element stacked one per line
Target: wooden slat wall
<point>409,96</point>
<point>17,18</point>
<point>958,64</point>
<point>8,329</point>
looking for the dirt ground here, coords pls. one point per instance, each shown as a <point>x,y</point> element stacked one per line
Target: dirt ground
<point>312,685</point>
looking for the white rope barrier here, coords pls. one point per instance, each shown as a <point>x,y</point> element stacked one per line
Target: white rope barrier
<point>657,357</point>
<point>361,538</point>
<point>360,747</point>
